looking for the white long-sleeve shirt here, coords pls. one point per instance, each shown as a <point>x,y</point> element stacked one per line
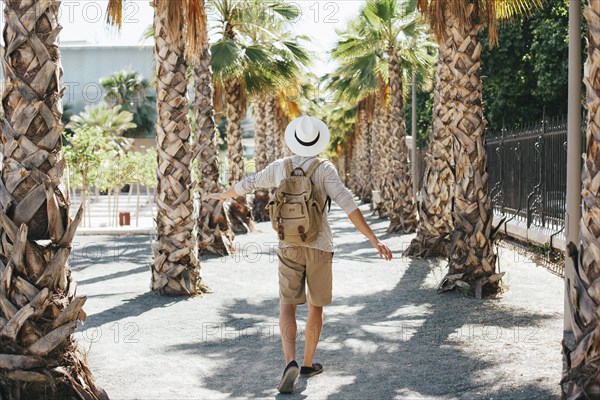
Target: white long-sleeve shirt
<point>325,180</point>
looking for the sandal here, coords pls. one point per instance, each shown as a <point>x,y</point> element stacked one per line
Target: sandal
<point>286,385</point>
<point>311,371</point>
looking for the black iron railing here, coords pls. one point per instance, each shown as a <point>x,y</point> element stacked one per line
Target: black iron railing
<point>527,170</point>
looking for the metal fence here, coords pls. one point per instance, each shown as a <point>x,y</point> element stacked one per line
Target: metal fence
<point>527,169</point>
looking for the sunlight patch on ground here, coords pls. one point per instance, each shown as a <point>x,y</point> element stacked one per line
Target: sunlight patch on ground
<point>412,310</point>
<point>406,394</point>
<point>328,385</point>
<point>395,330</point>
<point>435,276</point>
<point>331,344</point>
<point>361,346</point>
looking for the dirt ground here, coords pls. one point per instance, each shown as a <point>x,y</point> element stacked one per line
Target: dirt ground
<point>388,334</point>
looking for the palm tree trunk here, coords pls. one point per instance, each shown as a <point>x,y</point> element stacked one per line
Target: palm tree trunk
<point>239,212</point>
<point>582,380</point>
<point>397,194</point>
<point>435,207</point>
<point>281,122</point>
<point>472,260</point>
<point>380,132</point>
<point>355,156</point>
<point>260,134</point>
<point>366,157</point>
<point>213,233</point>
<point>39,308</point>
<point>271,129</point>
<point>261,197</point>
<point>176,269</point>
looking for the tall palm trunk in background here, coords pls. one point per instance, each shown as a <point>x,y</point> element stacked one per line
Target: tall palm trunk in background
<point>214,235</point>
<point>260,137</point>
<point>435,207</point>
<point>471,255</point>
<point>582,380</point>
<point>39,308</point>
<point>272,129</point>
<point>176,268</point>
<point>356,154</point>
<point>282,122</point>
<point>261,197</point>
<point>239,212</point>
<point>380,132</point>
<point>397,194</point>
<point>364,162</point>
<point>375,148</point>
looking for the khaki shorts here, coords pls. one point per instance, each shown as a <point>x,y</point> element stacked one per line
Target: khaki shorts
<point>304,266</point>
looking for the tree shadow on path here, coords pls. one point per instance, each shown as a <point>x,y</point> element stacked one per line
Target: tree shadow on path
<point>407,342</point>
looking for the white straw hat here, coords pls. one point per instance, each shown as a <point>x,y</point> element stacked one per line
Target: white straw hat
<point>307,136</point>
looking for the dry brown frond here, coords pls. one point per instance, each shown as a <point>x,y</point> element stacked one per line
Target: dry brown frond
<point>174,12</point>
<point>195,28</point>
<point>114,13</point>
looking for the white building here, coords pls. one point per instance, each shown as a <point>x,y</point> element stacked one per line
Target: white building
<point>84,64</point>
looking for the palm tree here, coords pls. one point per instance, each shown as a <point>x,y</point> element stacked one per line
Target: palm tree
<point>112,121</point>
<point>391,21</point>
<point>39,308</point>
<point>179,31</point>
<point>582,380</point>
<point>437,186</point>
<point>129,90</point>
<point>176,269</point>
<point>266,83</point>
<point>376,52</point>
<point>214,235</point>
<point>237,62</point>
<point>456,24</point>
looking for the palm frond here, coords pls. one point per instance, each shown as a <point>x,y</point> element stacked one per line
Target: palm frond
<point>196,33</point>
<point>226,58</point>
<point>488,12</point>
<point>174,15</point>
<point>114,13</point>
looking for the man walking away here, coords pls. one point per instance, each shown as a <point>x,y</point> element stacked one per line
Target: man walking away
<point>305,240</point>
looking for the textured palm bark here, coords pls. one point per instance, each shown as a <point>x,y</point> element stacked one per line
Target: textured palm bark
<point>261,197</point>
<point>397,194</point>
<point>376,150</point>
<point>175,268</point>
<point>261,157</point>
<point>271,129</point>
<point>435,207</point>
<point>240,213</point>
<point>364,162</point>
<point>282,122</point>
<point>380,132</point>
<point>39,306</point>
<point>582,380</point>
<point>213,233</point>
<point>356,159</point>
<point>472,261</point>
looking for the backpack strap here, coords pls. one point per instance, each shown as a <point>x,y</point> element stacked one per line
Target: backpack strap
<point>309,173</point>
<point>313,167</point>
<point>287,163</point>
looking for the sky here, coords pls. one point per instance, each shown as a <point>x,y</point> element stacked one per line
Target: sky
<point>85,20</point>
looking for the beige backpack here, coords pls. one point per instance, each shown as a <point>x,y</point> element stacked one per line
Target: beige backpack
<point>296,209</point>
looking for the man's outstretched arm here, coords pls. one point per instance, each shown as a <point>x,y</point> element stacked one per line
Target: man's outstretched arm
<point>359,222</point>
<point>260,180</point>
<point>229,193</point>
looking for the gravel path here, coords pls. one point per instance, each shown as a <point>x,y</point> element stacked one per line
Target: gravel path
<point>388,334</point>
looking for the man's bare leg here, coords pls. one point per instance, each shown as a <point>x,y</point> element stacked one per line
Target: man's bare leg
<point>314,324</point>
<point>288,330</point>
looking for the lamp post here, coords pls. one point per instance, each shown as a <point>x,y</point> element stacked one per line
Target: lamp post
<point>573,212</point>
